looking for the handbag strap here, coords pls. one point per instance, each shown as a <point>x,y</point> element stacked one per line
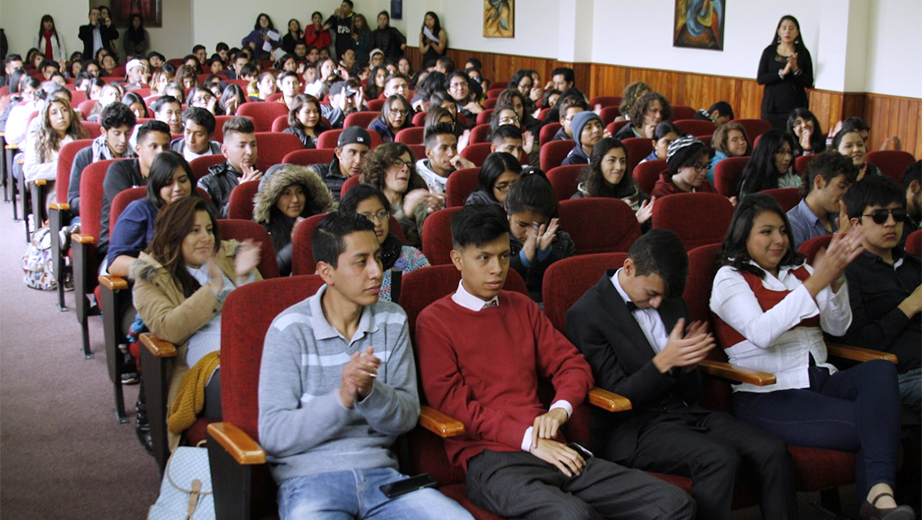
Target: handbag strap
<point>170,478</point>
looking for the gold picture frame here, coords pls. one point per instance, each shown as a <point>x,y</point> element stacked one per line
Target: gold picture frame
<point>499,18</point>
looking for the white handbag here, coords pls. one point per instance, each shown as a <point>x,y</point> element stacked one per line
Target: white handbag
<point>186,491</point>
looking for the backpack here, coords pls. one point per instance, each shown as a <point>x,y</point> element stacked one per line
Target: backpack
<point>37,264</point>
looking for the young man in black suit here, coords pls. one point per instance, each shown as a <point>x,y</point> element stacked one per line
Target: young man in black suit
<point>631,326</point>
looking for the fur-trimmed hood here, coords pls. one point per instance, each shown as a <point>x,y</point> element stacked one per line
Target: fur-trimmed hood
<point>318,196</point>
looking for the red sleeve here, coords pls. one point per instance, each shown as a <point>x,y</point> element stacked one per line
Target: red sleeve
<point>447,391</point>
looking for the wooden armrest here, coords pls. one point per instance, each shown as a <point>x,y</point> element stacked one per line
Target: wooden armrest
<point>158,347</point>
<point>60,206</point>
<point>859,354</point>
<point>439,423</point>
<point>113,283</point>
<point>736,373</point>
<point>11,147</point>
<point>238,444</point>
<point>82,239</point>
<point>40,182</point>
<point>609,400</point>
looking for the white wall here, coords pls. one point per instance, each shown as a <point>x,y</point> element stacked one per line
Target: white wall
<point>536,28</point>
<point>20,20</point>
<point>895,48</point>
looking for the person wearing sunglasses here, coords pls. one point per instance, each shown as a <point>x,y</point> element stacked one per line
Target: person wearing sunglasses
<point>688,160</point>
<point>826,180</point>
<point>884,282</point>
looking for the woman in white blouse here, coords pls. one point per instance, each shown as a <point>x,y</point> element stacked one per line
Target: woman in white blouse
<point>771,311</point>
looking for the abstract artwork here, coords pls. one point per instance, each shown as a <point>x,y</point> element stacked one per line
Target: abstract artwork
<point>151,12</point>
<point>699,24</point>
<point>499,18</point>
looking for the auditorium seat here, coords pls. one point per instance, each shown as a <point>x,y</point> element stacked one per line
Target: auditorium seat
<point>553,153</point>
<point>262,114</point>
<point>460,184</point>
<point>754,128</point>
<point>615,126</point>
<point>680,112</point>
<point>615,230</point>
<point>605,101</point>
<point>647,173</point>
<point>240,203</point>
<point>219,126</point>
<point>310,157</point>
<point>697,218</point>
<point>412,135</point>
<point>329,139</point>
<point>803,162</point>
<point>914,243</point>
<point>638,148</point>
<point>59,213</point>
<point>483,118</point>
<point>360,119</point>
<point>787,197</point>
<point>608,114</point>
<point>280,124</point>
<point>696,126</point>
<point>274,146</point>
<point>350,183</point>
<point>476,152</point>
<point>436,236</point>
<point>480,134</point>
<point>375,104</point>
<point>302,256</point>
<point>727,175</point>
<point>891,163</point>
<point>548,132</point>
<point>565,179</point>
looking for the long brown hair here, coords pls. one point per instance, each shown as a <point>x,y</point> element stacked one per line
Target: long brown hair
<point>47,141</point>
<point>173,223</point>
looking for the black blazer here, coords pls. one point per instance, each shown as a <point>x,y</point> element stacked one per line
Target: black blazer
<point>605,331</point>
<point>108,34</point>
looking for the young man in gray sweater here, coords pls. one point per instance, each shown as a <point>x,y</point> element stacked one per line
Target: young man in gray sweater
<point>330,407</point>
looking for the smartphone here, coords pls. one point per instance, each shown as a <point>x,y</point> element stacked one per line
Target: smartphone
<point>583,452</point>
<point>407,485</point>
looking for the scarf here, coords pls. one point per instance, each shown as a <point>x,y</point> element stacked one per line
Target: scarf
<point>101,151</point>
<point>49,52</point>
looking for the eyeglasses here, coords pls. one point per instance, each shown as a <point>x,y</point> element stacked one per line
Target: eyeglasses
<point>400,163</point>
<point>880,216</point>
<point>509,119</point>
<point>699,167</point>
<point>503,187</point>
<point>380,216</point>
<point>398,112</point>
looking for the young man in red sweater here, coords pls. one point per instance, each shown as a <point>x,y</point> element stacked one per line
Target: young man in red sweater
<point>481,352</point>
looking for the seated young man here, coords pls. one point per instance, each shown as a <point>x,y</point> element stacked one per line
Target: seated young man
<point>351,148</point>
<point>397,84</point>
<point>884,282</point>
<point>135,71</point>
<point>587,129</point>
<point>345,98</point>
<point>289,85</point>
<point>117,122</point>
<point>631,326</point>
<point>240,150</point>
<point>481,352</point>
<point>567,108</point>
<point>169,110</point>
<point>825,182</point>
<point>442,157</point>
<point>198,126</point>
<point>562,79</point>
<point>719,113</point>
<point>337,385</point>
<point>508,138</point>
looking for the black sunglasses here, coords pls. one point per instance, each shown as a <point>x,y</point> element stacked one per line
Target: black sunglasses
<point>880,216</point>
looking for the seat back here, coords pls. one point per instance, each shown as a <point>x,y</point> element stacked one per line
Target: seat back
<point>488,103</point>
<point>240,203</point>
<point>86,107</point>
<point>280,124</point>
<point>547,133</point>
<point>618,232</point>
<point>65,162</point>
<point>274,146</point>
<point>646,174</point>
<point>605,101</point>
<point>302,257</point>
<point>460,184</point>
<point>91,196</point>
<point>94,130</point>
<point>565,179</point>
<point>480,134</point>
<point>219,125</point>
<point>727,175</point>
<point>419,150</point>
<point>246,316</point>
<point>494,93</point>
<point>272,98</point>
<point>412,135</point>
<point>811,247</point>
<point>483,118</point>
<point>329,139</point>
<point>350,183</point>
<point>696,126</point>
<point>697,218</point>
<point>702,266</point>
<point>613,127</point>
<point>754,128</point>
<point>914,243</point>
<point>201,164</point>
<point>375,104</point>
<point>680,112</point>
<point>609,114</point>
<point>310,157</point>
<point>891,163</point>
<point>566,280</point>
<point>787,197</point>
<point>361,119</point>
<point>803,162</point>
<point>419,118</point>
<point>121,201</point>
<point>436,239</point>
<point>553,153</point>
<point>476,153</point>
<point>638,148</point>
<point>240,230</point>
<point>262,114</point>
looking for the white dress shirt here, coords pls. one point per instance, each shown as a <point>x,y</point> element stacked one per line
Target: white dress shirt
<point>467,300</point>
<point>772,343</point>
<point>649,320</point>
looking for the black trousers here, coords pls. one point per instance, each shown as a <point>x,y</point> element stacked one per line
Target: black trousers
<point>713,448</point>
<point>520,485</point>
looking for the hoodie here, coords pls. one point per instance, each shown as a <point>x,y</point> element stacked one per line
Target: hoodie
<point>577,155</point>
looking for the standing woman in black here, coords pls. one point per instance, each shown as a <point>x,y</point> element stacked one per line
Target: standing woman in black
<point>786,70</point>
<point>433,40</point>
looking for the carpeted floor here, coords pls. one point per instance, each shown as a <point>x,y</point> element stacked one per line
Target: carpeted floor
<point>62,453</point>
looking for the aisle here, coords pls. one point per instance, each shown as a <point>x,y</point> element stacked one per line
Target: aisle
<point>62,453</point>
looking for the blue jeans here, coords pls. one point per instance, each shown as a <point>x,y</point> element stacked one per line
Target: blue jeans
<point>357,494</point>
<point>911,389</point>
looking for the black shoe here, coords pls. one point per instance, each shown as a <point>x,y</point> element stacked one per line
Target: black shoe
<point>130,374</point>
<point>142,427</point>
<point>870,512</point>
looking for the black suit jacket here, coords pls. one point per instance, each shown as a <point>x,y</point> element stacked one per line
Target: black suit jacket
<point>610,338</point>
<point>106,33</point>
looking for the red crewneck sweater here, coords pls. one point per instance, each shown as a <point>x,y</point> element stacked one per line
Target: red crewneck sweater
<point>482,368</point>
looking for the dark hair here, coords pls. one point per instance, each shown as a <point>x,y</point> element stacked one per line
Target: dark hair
<point>131,98</point>
<point>566,101</point>
<point>152,54</point>
<point>532,193</point>
<point>238,124</point>
<point>374,169</point>
<point>643,103</point>
<point>723,108</point>
<point>496,164</point>
<point>94,82</point>
<point>248,69</point>
<point>913,173</point>
<point>660,252</point>
<point>170,229</point>
<point>593,181</point>
<point>360,193</point>
<point>11,58</point>
<point>386,111</point>
<point>54,29</point>
<point>477,224</point>
<point>49,63</point>
<point>256,26</point>
<point>117,114</point>
<point>518,76</point>
<point>664,128</point>
<point>760,172</point>
<point>568,75</point>
<point>163,100</point>
<point>837,140</point>
<point>857,123</point>
<point>435,113</point>
<point>161,175</point>
<point>431,84</point>
<point>297,104</point>
<point>348,2</point>
<point>798,42</point>
<point>720,139</point>
<point>828,165</point>
<point>546,98</point>
<point>221,46</point>
<point>503,132</point>
<point>373,90</point>
<point>734,252</point>
<point>475,62</point>
<point>288,74</point>
<point>873,190</point>
<point>201,117</point>
<point>328,241</point>
<point>436,27</point>
<point>817,140</point>
<point>231,90</point>
<point>497,111</point>
<point>436,130</point>
<point>447,63</point>
<point>152,126</point>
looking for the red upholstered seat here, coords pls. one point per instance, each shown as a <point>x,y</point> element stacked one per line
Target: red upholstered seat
<point>419,119</point>
<point>727,175</point>
<point>891,163</point>
<point>494,93</point>
<point>646,174</point>
<point>274,146</point>
<point>615,126</point>
<point>914,242</point>
<point>811,247</point>
<point>786,197</point>
<point>605,101</point>
<point>615,227</point>
<point>280,124</point>
<point>566,280</point>
<point>94,130</point>
<point>240,202</point>
<point>419,150</point>
<point>489,103</point>
<point>754,128</point>
<point>361,119</point>
<point>638,148</point>
<point>65,162</point>
<point>608,114</point>
<point>553,153</point>
<point>350,183</point>
<point>240,230</point>
<point>483,118</point>
<point>461,183</point>
<point>564,179</point>
<point>706,139</point>
<point>272,98</point>
<point>329,139</point>
<point>476,152</point>
<point>696,126</point>
<point>262,114</point>
<point>201,164</point>
<point>219,126</point>
<point>412,135</point>
<point>680,112</point>
<point>302,257</point>
<point>436,237</point>
<point>547,133</point>
<point>86,107</point>
<point>309,157</point>
<point>803,162</point>
<point>480,133</point>
<point>375,104</point>
<point>697,218</point>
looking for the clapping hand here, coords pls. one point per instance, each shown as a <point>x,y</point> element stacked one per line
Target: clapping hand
<point>250,173</point>
<point>547,233</point>
<point>247,258</point>
<point>645,211</point>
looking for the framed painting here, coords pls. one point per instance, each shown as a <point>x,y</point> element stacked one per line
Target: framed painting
<point>699,24</point>
<point>151,12</point>
<point>499,18</point>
